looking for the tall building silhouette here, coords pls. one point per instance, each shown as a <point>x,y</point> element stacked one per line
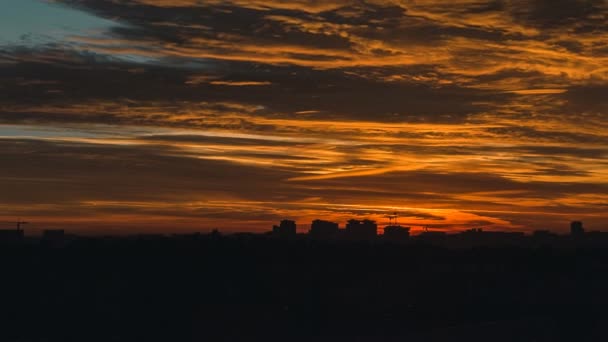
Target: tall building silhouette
<point>285,228</point>
<point>576,228</point>
<point>361,230</point>
<point>396,233</point>
<point>322,229</point>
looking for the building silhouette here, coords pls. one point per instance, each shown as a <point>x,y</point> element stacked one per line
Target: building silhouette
<point>285,229</point>
<point>543,234</point>
<point>431,236</point>
<point>477,236</point>
<point>11,235</point>
<point>53,234</point>
<point>396,233</point>
<point>472,231</point>
<point>576,228</point>
<point>53,237</point>
<point>361,229</point>
<point>322,229</point>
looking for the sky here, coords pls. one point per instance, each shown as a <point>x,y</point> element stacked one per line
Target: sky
<point>127,116</point>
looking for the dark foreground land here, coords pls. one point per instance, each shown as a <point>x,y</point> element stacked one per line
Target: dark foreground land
<point>254,288</point>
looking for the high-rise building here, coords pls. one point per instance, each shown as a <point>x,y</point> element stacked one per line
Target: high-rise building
<point>361,230</point>
<point>285,228</point>
<point>576,228</point>
<point>323,229</point>
<point>396,233</point>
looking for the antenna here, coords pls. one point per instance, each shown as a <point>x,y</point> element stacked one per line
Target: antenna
<point>391,218</point>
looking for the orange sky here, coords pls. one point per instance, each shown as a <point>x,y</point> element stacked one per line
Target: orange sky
<point>172,116</point>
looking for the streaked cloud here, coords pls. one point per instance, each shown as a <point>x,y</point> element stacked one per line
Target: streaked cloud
<point>538,91</point>
<point>237,113</point>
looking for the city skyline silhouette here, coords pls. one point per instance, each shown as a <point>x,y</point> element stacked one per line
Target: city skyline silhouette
<point>303,170</point>
<point>319,229</point>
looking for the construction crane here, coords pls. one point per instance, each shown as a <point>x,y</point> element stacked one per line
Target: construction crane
<point>19,223</point>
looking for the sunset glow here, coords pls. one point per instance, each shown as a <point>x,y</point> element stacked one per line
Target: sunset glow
<point>183,115</point>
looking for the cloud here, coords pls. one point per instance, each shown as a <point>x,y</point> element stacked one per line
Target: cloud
<point>276,89</point>
<point>538,91</point>
<point>465,112</point>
